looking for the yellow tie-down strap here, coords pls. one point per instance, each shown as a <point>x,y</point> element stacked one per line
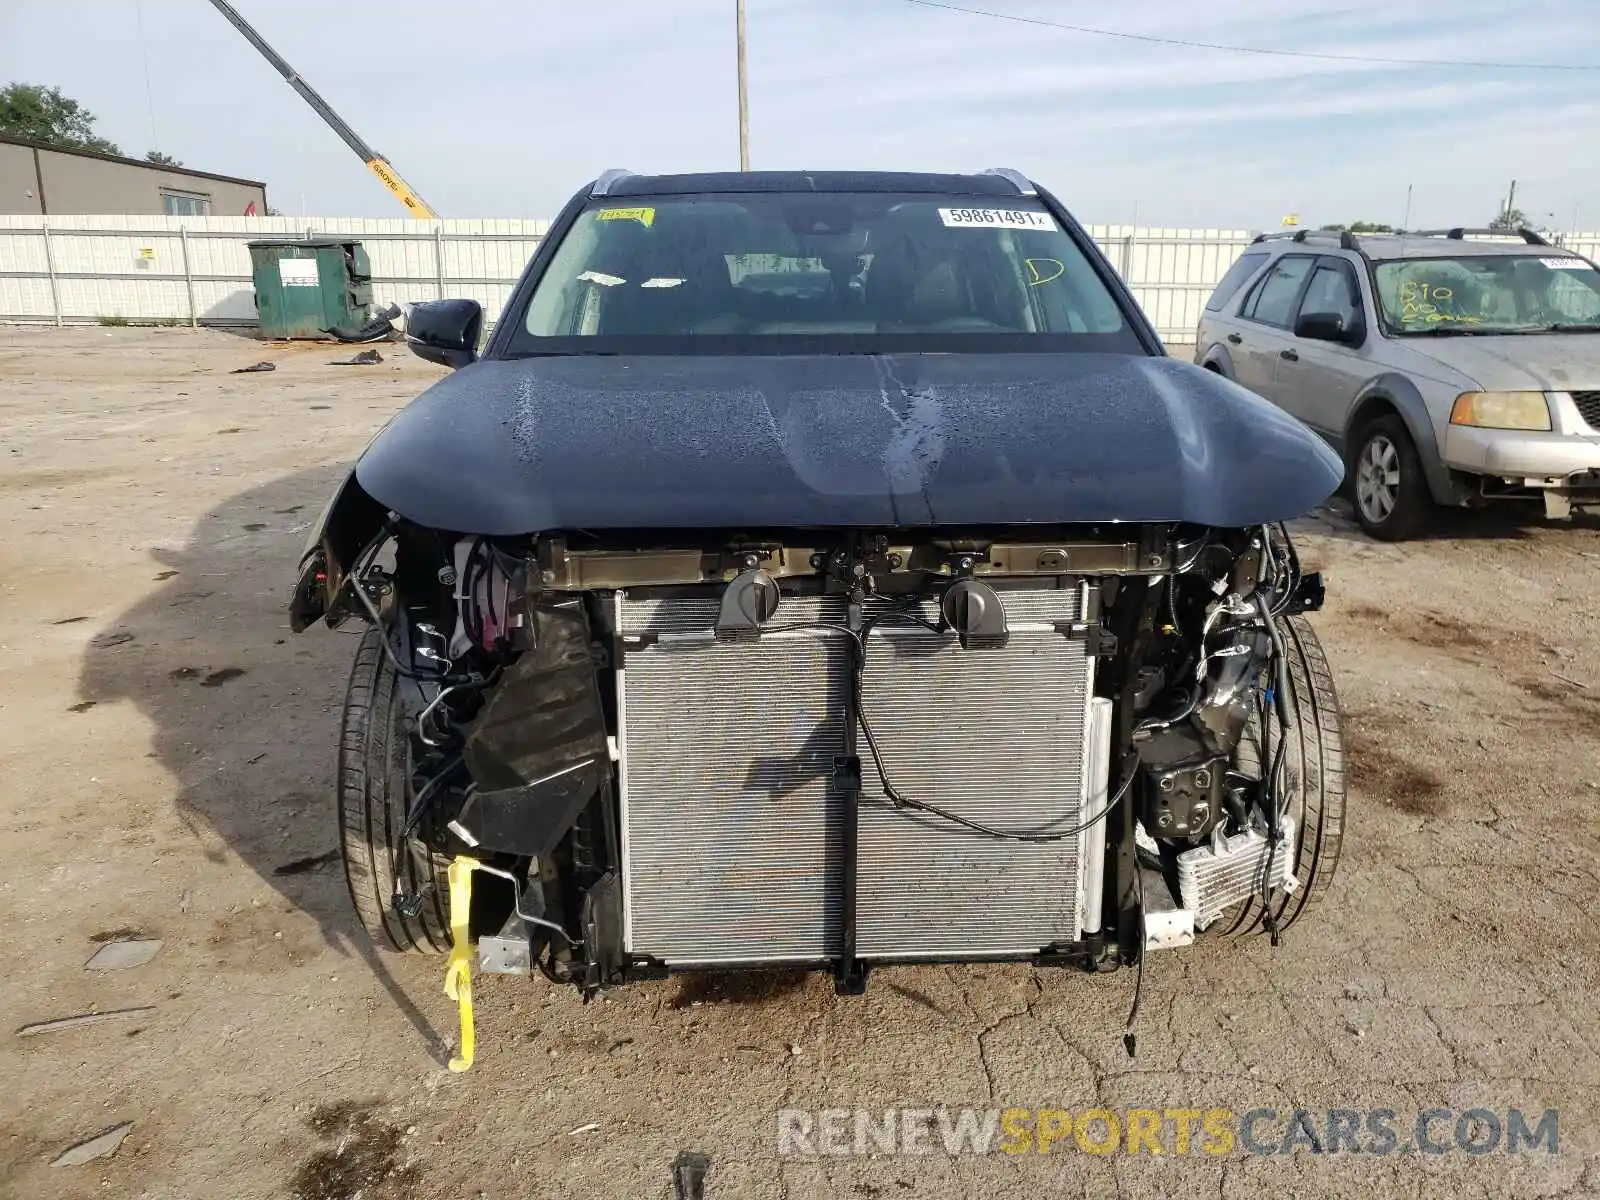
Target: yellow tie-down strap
<point>458,968</point>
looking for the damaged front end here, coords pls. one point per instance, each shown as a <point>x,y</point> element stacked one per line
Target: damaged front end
<point>839,747</point>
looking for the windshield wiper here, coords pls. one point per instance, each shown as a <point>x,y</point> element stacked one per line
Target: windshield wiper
<point>1452,331</point>
<point>1574,327</point>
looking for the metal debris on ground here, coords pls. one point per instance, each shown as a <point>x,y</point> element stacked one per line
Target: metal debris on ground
<point>251,370</point>
<point>381,328</point>
<point>120,956</point>
<point>365,359</point>
<point>58,1024</point>
<point>101,1145</point>
<point>689,1174</point>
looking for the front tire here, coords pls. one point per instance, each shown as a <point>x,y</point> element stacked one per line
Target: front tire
<point>373,793</point>
<point>1314,765</point>
<point>1389,491</point>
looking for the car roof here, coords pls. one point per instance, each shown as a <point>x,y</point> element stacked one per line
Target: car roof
<point>986,184</point>
<point>1392,247</point>
<point>1387,247</point>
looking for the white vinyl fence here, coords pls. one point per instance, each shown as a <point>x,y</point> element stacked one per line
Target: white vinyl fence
<point>196,270</point>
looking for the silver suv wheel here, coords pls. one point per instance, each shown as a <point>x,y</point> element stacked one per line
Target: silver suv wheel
<point>1392,500</point>
<point>1378,479</point>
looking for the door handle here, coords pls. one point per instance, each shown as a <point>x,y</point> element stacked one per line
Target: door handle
<point>1235,338</point>
<point>1291,355</point>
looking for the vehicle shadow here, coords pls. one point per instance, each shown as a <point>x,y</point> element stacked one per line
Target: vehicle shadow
<point>245,714</point>
<point>1501,522</point>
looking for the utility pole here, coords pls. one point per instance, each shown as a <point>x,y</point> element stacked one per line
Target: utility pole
<point>744,95</point>
<point>1511,200</point>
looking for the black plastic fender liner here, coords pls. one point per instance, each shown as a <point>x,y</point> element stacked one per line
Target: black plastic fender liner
<point>538,750</point>
<point>349,521</point>
<point>530,821</point>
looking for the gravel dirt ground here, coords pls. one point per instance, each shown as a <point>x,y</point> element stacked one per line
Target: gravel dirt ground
<point>168,752</point>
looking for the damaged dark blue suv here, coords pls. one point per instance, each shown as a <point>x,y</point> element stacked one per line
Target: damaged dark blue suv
<point>827,569</point>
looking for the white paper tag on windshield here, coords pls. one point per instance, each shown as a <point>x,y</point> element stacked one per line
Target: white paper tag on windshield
<point>1565,264</point>
<point>996,218</point>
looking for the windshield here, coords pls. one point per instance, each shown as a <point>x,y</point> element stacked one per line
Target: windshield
<point>823,272</point>
<point>1512,293</point>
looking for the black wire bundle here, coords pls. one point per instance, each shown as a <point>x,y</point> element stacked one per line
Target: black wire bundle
<point>893,794</point>
<point>1272,799</point>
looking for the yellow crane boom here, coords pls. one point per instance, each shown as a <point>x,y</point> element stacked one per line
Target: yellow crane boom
<point>376,163</point>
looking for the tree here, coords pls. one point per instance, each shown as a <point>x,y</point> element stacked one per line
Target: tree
<point>160,159</point>
<point>43,114</point>
<point>1361,227</point>
<point>1510,219</point>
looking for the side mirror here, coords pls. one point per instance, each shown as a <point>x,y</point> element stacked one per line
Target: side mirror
<point>1328,327</point>
<point>445,331</point>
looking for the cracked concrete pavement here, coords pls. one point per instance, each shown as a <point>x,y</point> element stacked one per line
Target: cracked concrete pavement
<point>168,747</point>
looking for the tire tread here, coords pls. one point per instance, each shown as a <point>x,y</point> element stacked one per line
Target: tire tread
<point>373,788</point>
<point>1315,760</point>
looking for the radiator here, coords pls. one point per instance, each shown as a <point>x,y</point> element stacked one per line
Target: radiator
<point>731,819</point>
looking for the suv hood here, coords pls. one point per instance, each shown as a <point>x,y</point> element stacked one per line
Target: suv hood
<point>520,446</point>
<point>1546,362</point>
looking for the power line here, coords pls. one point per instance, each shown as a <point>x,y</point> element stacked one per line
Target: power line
<point>1186,44</point>
<point>149,95</point>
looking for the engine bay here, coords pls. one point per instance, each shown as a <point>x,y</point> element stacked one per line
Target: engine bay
<point>839,747</point>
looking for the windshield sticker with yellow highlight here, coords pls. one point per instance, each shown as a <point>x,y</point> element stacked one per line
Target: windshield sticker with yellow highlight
<point>645,216</point>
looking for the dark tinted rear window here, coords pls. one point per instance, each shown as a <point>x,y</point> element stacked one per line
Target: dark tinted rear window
<point>1244,267</point>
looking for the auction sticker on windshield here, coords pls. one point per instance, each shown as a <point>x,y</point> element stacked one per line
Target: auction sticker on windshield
<point>996,218</point>
<point>1565,264</point>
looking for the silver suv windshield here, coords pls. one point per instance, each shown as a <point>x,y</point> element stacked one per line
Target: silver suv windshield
<point>843,271</point>
<point>1488,294</point>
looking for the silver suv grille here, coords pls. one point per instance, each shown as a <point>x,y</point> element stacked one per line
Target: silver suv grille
<point>1588,407</point>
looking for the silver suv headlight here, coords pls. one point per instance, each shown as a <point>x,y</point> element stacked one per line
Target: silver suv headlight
<point>1502,410</point>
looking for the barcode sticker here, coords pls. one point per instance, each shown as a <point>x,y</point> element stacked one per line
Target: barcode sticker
<point>996,218</point>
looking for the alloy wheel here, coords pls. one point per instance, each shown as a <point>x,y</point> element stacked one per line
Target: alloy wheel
<point>1378,479</point>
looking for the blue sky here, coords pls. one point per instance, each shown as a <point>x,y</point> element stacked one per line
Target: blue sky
<point>503,107</point>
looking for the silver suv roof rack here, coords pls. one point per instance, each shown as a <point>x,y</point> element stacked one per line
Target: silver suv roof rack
<point>602,186</point>
<point>1015,178</point>
<point>1343,237</point>
<point>1460,232</point>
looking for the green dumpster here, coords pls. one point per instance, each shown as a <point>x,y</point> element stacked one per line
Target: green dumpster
<point>306,287</point>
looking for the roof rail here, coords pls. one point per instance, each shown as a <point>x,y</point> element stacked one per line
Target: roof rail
<point>602,186</point>
<point>1015,178</point>
<point>1346,240</point>
<point>1460,232</point>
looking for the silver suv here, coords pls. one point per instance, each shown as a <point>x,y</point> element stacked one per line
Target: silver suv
<point>1449,367</point>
